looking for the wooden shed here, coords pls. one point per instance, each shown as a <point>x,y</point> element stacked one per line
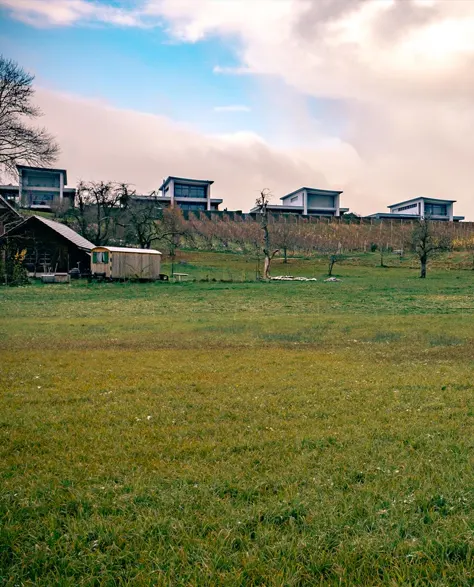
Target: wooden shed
<point>51,246</point>
<point>126,263</point>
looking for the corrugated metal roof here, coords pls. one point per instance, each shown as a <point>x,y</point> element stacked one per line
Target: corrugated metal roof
<point>128,250</point>
<point>67,233</point>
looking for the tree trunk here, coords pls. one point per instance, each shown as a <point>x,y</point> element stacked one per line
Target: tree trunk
<point>285,258</point>
<point>423,269</point>
<point>266,267</point>
<point>331,265</point>
<point>267,263</point>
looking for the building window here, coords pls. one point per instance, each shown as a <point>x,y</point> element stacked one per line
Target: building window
<point>294,199</point>
<point>182,190</point>
<point>195,206</point>
<point>41,198</point>
<point>436,210</point>
<point>409,207</point>
<point>42,180</point>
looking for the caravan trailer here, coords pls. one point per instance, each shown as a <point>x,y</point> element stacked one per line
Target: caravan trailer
<point>125,263</point>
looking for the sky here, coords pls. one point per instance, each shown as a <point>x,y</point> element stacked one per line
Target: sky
<point>372,97</point>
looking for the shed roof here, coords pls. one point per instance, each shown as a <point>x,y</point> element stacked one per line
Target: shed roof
<point>127,250</point>
<point>7,206</point>
<point>61,229</point>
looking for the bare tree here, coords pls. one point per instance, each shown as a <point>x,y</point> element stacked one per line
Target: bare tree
<point>262,204</point>
<point>426,242</point>
<point>19,142</point>
<point>140,220</point>
<point>285,235</point>
<point>98,207</point>
<point>171,229</point>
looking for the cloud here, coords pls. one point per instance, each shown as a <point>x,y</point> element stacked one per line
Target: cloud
<point>399,72</point>
<point>391,78</point>
<point>43,13</point>
<point>100,142</point>
<point>232,108</point>
<point>217,69</point>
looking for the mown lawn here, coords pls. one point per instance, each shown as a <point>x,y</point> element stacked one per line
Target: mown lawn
<point>239,433</point>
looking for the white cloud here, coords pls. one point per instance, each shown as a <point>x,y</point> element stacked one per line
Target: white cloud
<point>101,142</point>
<point>398,71</point>
<point>67,12</point>
<point>232,108</point>
<point>218,69</point>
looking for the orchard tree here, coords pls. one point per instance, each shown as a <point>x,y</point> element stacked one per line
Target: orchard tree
<point>21,143</point>
<point>285,235</point>
<point>99,206</point>
<point>171,229</point>
<point>426,242</point>
<point>140,219</point>
<point>262,205</point>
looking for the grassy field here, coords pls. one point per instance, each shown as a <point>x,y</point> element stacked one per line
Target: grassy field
<point>239,433</point>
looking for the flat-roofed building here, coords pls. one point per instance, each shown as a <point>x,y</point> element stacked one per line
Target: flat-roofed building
<point>309,202</point>
<point>44,188</point>
<point>188,194</point>
<point>421,207</point>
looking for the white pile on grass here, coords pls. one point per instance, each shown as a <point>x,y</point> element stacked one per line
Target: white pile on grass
<point>291,278</point>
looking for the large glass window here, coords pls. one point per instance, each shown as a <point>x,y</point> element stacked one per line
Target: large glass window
<point>42,179</point>
<point>194,206</point>
<point>182,190</point>
<point>40,198</point>
<point>436,210</point>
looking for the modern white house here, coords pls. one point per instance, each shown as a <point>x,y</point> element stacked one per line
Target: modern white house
<point>188,194</point>
<point>44,188</point>
<point>309,202</point>
<point>40,188</point>
<point>421,207</point>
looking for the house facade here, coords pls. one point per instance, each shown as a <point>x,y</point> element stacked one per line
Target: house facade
<point>44,188</point>
<point>421,207</point>
<point>309,202</point>
<point>188,194</point>
<point>39,189</point>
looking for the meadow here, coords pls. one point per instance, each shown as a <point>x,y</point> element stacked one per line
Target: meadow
<point>239,433</point>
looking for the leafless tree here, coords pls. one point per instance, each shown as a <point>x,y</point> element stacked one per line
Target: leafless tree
<point>426,242</point>
<point>21,143</point>
<point>140,220</point>
<point>98,207</point>
<point>171,229</point>
<point>285,235</point>
<point>262,205</point>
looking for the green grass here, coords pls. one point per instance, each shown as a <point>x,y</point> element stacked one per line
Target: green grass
<point>239,433</point>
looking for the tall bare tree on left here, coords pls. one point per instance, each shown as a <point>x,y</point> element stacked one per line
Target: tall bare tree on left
<point>20,142</point>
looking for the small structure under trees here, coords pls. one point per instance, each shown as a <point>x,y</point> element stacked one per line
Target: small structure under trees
<point>50,246</point>
<point>126,263</point>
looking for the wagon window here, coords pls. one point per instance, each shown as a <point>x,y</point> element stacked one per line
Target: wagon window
<point>100,257</point>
